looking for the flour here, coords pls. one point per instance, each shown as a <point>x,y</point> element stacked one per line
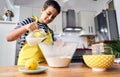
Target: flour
<point>58,61</point>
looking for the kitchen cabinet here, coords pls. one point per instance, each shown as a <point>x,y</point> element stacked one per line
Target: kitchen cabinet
<point>25,12</point>
<point>86,21</point>
<point>36,12</point>
<point>22,12</point>
<point>7,49</point>
<point>56,24</point>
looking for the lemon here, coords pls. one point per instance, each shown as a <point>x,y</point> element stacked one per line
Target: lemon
<point>31,64</point>
<point>37,34</point>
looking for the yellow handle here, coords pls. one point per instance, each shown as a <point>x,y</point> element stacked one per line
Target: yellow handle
<point>35,18</point>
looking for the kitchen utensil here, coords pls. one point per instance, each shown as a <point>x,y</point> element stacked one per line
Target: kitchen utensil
<point>58,53</point>
<point>99,62</point>
<point>36,36</point>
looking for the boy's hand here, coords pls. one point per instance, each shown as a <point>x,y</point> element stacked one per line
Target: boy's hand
<point>32,26</point>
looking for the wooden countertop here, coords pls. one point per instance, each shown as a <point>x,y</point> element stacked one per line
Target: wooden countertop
<point>74,70</point>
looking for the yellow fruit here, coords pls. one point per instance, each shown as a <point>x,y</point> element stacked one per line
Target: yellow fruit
<point>37,34</point>
<point>31,64</point>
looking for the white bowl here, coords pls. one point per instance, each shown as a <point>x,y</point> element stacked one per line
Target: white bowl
<point>58,54</point>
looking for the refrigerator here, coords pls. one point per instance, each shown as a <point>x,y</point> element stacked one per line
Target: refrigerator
<point>106,25</point>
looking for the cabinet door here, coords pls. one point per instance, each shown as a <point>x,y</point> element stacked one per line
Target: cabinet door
<point>7,49</point>
<point>87,22</point>
<point>36,12</point>
<point>25,12</point>
<point>22,12</point>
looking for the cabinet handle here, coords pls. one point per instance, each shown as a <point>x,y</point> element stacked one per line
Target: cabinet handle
<point>89,28</point>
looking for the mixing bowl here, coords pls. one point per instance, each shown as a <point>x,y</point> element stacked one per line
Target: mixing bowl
<point>99,62</point>
<point>58,54</point>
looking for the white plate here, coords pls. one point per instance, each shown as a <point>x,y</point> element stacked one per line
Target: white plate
<point>117,60</point>
<point>38,70</point>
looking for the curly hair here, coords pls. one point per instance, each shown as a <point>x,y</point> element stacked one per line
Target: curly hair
<point>52,3</point>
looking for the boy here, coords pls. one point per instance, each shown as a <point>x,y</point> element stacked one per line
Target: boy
<point>49,11</point>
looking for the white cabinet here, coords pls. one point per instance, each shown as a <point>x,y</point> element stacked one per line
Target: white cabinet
<point>7,49</point>
<point>25,12</point>
<point>36,12</point>
<point>22,12</point>
<point>86,21</point>
<point>56,24</point>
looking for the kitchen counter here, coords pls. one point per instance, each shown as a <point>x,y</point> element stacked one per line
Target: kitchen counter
<point>8,22</point>
<point>7,49</point>
<point>74,70</point>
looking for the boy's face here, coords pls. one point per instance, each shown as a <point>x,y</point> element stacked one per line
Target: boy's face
<point>48,15</point>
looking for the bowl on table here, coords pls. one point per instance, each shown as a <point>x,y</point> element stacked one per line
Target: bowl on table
<point>99,62</point>
<point>58,53</point>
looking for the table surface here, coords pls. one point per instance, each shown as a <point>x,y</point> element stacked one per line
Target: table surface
<point>74,70</point>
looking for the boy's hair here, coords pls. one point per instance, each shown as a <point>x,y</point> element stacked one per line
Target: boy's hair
<point>52,3</point>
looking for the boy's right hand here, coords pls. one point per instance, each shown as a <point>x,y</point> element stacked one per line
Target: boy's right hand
<point>32,26</point>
